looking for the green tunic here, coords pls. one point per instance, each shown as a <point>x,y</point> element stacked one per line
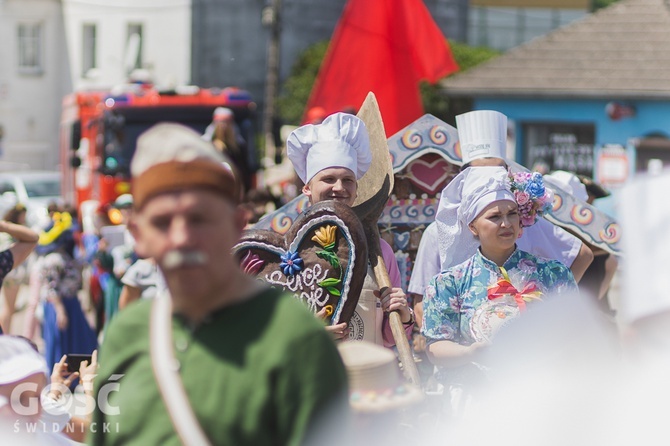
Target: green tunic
<point>259,372</point>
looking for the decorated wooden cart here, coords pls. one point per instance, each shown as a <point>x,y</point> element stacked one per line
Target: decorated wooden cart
<point>426,156</point>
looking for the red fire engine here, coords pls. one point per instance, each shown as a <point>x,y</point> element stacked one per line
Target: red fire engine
<point>99,131</point>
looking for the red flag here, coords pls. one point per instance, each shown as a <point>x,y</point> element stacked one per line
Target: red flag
<point>387,47</point>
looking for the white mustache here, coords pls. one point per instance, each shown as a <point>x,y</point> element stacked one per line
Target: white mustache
<point>179,258</point>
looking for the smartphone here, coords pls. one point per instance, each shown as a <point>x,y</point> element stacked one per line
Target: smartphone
<point>74,360</point>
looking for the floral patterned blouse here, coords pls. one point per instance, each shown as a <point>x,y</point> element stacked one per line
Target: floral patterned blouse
<point>60,276</point>
<point>6,263</point>
<point>453,297</point>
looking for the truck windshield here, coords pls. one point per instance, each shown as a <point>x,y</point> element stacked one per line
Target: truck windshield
<point>43,187</point>
<point>122,126</point>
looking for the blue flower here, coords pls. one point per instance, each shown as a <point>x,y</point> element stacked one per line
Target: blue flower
<point>535,187</point>
<point>290,263</point>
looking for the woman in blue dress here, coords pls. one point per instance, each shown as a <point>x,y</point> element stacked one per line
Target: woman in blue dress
<point>65,329</point>
<point>465,305</point>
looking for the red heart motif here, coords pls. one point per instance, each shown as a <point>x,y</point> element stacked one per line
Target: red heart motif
<point>429,176</point>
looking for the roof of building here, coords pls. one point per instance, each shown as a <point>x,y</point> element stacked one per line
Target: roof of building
<point>621,51</point>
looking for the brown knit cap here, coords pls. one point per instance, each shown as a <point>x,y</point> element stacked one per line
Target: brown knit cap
<point>172,157</point>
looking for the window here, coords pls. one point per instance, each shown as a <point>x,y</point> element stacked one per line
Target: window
<point>42,187</point>
<point>88,58</point>
<point>133,47</point>
<point>30,48</point>
<point>560,146</point>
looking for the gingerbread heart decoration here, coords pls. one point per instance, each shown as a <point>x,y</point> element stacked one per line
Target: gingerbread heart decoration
<point>321,260</point>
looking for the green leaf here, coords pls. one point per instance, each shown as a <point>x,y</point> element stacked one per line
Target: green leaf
<point>330,258</point>
<point>329,282</point>
<point>329,247</point>
<point>333,291</point>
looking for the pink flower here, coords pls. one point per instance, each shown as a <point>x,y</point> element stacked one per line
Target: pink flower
<point>521,197</point>
<point>521,177</point>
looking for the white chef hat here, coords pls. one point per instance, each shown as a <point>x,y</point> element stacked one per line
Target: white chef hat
<point>570,183</point>
<point>482,134</point>
<point>18,360</point>
<point>341,140</point>
<point>481,188</point>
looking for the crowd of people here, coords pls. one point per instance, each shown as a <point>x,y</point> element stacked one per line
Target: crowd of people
<point>512,310</point>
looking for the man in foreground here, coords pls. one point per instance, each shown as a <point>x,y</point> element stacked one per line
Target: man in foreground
<point>229,360</point>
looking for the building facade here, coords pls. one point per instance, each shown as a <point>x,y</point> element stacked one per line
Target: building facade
<point>592,97</point>
<point>111,41</point>
<point>230,43</point>
<point>505,24</point>
<point>33,79</point>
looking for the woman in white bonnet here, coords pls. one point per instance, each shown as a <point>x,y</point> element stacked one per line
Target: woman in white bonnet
<point>483,138</point>
<point>464,305</point>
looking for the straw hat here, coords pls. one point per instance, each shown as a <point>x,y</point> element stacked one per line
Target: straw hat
<point>375,382</point>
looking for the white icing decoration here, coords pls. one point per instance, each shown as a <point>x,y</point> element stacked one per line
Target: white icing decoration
<point>307,279</point>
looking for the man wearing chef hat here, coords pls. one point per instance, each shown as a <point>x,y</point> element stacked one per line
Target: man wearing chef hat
<point>330,158</point>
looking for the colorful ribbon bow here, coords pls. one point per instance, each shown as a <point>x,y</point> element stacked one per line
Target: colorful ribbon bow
<point>504,287</point>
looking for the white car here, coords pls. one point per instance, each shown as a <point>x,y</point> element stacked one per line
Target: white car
<point>34,189</point>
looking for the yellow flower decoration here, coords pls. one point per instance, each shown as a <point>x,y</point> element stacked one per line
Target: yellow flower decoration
<point>325,236</point>
<point>62,222</point>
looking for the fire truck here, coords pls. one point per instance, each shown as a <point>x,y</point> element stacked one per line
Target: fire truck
<point>99,131</point>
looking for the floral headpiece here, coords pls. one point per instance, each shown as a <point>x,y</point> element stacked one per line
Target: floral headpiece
<point>533,198</point>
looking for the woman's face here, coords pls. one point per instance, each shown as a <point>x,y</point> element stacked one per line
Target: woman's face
<point>498,226</point>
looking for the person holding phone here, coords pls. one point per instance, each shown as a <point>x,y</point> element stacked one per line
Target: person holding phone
<point>66,372</point>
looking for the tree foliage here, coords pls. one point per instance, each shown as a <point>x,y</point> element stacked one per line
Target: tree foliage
<point>297,87</point>
<point>598,4</point>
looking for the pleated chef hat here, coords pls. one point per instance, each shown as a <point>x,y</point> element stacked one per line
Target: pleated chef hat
<point>341,140</point>
<point>482,134</point>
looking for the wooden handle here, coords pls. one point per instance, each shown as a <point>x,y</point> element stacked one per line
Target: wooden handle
<point>399,336</point>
